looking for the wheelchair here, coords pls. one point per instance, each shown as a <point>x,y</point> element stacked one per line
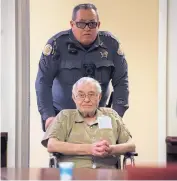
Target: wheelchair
<point>54,157</point>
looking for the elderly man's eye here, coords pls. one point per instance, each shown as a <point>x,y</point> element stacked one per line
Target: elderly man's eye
<point>81,95</point>
<point>91,95</point>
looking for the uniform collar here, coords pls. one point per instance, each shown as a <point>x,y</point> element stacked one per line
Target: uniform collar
<point>79,118</point>
<point>72,40</point>
<point>96,44</point>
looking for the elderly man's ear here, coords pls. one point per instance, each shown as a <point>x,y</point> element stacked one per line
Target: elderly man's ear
<point>100,96</point>
<point>73,97</point>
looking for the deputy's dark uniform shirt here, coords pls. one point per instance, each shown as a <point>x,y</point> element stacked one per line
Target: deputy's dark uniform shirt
<point>64,61</point>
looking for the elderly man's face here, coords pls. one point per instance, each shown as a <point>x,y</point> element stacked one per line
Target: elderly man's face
<point>86,98</point>
<point>85,34</point>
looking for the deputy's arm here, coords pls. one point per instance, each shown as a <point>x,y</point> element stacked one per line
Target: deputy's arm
<point>120,82</point>
<point>48,67</point>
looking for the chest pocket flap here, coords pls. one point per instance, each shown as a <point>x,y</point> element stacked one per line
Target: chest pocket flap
<point>104,63</point>
<point>70,71</point>
<point>104,69</point>
<point>70,64</point>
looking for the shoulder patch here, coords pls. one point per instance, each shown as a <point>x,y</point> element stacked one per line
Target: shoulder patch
<point>120,51</point>
<point>50,47</point>
<point>47,50</point>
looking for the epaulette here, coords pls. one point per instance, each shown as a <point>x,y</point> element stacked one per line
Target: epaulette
<point>107,34</point>
<point>61,33</point>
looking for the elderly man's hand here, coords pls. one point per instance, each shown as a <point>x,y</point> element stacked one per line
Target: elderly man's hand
<point>101,148</point>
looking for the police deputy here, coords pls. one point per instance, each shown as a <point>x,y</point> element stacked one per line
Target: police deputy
<point>80,51</point>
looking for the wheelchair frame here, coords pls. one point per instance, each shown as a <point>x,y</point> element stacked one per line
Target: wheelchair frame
<point>53,160</point>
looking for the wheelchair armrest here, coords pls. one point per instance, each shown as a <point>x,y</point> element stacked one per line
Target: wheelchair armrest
<point>130,154</point>
<point>57,155</point>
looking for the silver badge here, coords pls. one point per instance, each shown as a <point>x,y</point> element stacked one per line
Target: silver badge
<point>104,54</point>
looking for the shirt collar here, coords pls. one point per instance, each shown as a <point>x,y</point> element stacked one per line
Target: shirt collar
<point>79,118</point>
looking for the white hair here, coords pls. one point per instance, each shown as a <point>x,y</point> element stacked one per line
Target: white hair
<point>87,80</point>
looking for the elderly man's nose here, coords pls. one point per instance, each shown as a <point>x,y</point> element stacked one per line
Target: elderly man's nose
<point>86,99</point>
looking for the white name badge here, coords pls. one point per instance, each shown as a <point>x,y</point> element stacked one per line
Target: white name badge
<point>104,122</point>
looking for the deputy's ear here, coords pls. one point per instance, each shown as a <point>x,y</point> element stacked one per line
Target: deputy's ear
<point>71,23</point>
<point>99,24</point>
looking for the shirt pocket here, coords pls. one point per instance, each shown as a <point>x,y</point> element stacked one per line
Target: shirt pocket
<point>104,69</point>
<point>78,134</point>
<point>70,71</point>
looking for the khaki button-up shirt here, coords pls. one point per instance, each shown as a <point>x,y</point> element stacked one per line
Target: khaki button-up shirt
<point>69,126</point>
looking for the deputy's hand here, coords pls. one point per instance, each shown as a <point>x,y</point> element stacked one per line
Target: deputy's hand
<point>48,122</point>
<point>100,149</point>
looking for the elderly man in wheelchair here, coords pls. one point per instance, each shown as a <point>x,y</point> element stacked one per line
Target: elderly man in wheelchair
<point>89,136</point>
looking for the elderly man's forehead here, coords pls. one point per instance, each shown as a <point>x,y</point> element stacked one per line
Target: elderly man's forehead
<point>88,87</point>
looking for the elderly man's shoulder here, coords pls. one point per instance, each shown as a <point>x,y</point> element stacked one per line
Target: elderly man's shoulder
<point>68,112</point>
<point>109,111</point>
<point>67,116</point>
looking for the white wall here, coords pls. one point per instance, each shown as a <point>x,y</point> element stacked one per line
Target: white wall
<point>162,84</point>
<point>15,80</point>
<point>172,69</point>
<point>8,73</point>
